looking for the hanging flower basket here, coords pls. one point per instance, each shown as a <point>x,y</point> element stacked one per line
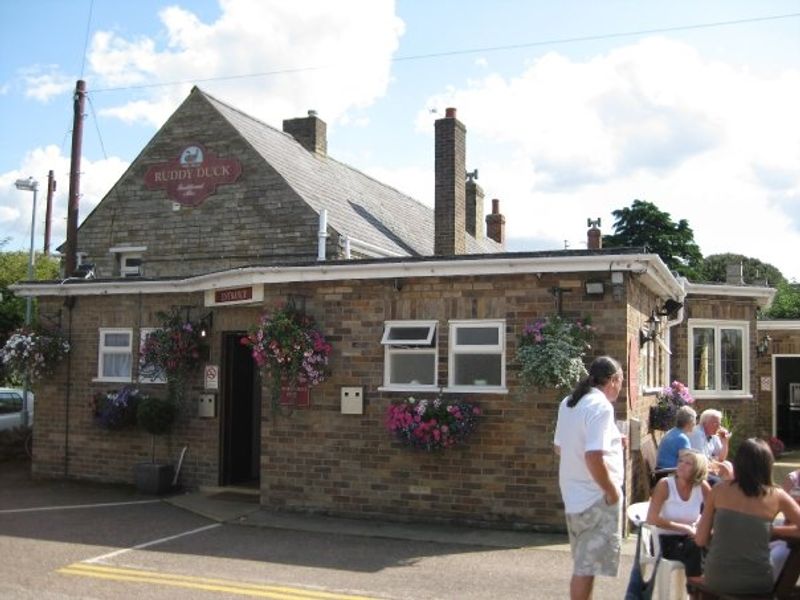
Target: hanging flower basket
<point>116,409</point>
<point>290,349</point>
<point>432,424</point>
<point>669,400</point>
<point>33,352</point>
<point>551,351</point>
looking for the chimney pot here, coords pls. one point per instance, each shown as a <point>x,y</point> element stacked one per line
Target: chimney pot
<point>496,224</point>
<point>450,113</point>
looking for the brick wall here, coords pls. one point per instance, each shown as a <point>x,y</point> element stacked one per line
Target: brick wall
<point>320,460</point>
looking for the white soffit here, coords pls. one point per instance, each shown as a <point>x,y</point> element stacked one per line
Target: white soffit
<point>763,295</point>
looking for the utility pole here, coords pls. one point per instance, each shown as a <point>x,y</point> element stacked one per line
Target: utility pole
<point>75,179</point>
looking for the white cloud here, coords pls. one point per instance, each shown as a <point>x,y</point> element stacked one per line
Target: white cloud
<point>329,56</point>
<point>43,83</point>
<point>16,205</point>
<point>702,140</point>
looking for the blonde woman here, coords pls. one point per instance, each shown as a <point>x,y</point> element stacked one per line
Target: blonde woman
<point>675,508</point>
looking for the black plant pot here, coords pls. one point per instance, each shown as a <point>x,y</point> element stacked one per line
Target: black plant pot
<point>662,418</point>
<point>153,479</point>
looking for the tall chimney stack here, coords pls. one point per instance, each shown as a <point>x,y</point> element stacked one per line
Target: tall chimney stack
<point>450,192</point>
<point>496,224</point>
<point>310,131</point>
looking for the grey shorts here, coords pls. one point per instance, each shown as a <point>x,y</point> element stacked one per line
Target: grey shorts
<point>595,536</point>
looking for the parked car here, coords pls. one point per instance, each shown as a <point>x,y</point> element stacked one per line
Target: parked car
<point>11,408</point>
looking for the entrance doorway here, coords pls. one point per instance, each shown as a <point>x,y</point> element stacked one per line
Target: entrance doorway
<point>241,414</point>
<point>787,399</point>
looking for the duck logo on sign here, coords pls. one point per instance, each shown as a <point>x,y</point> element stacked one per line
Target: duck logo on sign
<point>193,176</point>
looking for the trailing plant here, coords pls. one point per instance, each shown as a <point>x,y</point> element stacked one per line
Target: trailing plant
<point>432,424</point>
<point>551,352</point>
<point>116,409</point>
<point>668,401</point>
<point>33,352</point>
<point>290,349</point>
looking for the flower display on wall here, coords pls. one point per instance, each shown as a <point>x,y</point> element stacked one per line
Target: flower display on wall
<point>551,352</point>
<point>432,424</point>
<point>116,409</point>
<point>288,345</point>
<point>668,401</point>
<point>34,352</point>
<point>175,348</point>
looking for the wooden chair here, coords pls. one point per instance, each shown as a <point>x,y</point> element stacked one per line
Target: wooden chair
<point>650,456</point>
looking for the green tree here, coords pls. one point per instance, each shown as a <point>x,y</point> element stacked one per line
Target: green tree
<point>644,225</point>
<point>786,304</point>
<point>715,266</point>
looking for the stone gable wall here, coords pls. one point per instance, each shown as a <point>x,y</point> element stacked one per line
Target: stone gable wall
<point>258,219</point>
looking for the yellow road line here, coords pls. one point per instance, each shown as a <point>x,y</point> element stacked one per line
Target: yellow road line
<point>202,583</point>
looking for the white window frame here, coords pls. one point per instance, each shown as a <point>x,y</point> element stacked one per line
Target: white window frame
<point>455,349</point>
<point>427,346</point>
<point>102,351</point>
<point>125,253</point>
<point>143,333</point>
<point>718,326</point>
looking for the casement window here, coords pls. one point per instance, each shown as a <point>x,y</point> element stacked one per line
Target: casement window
<point>477,356</point>
<point>114,355</point>
<point>719,357</point>
<point>409,355</point>
<point>148,374</point>
<point>653,363</point>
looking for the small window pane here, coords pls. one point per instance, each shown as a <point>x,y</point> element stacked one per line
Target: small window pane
<point>478,369</point>
<point>731,359</point>
<point>116,340</point>
<point>116,365</point>
<point>704,374</point>
<point>477,336</point>
<point>414,369</point>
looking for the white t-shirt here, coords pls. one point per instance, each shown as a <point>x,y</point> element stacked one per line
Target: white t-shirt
<point>710,446</point>
<point>587,426</point>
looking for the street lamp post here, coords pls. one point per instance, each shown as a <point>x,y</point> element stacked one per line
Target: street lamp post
<point>29,185</point>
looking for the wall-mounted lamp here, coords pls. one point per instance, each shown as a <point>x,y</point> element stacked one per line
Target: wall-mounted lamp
<point>670,308</point>
<point>651,332</point>
<point>206,323</point>
<point>594,288</point>
<point>763,346</point>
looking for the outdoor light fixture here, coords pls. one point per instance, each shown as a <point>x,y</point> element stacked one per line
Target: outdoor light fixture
<point>28,185</point>
<point>670,308</point>
<point>763,346</point>
<point>651,333</point>
<point>205,324</point>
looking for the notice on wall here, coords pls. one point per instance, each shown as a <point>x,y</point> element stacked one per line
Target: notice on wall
<point>211,377</point>
<point>766,384</point>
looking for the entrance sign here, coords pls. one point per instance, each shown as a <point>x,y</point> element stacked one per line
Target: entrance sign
<point>248,294</point>
<point>193,176</point>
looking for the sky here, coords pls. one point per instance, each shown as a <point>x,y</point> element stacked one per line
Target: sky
<point>573,109</point>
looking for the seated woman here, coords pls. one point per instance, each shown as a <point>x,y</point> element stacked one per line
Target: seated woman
<point>740,513</point>
<point>676,439</point>
<point>675,509</point>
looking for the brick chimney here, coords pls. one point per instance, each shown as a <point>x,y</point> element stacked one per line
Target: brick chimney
<point>474,208</point>
<point>496,224</point>
<point>310,131</point>
<point>450,189</point>
<point>594,239</point>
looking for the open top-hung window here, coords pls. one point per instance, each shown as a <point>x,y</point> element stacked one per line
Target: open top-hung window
<point>719,357</point>
<point>477,356</point>
<point>410,354</point>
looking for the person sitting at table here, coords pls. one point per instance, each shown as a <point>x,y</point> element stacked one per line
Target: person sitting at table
<point>740,514</point>
<point>675,510</point>
<point>676,439</point>
<point>711,438</point>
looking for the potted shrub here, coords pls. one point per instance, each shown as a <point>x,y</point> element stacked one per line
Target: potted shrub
<point>156,417</point>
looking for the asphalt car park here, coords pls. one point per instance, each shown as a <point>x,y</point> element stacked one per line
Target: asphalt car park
<point>65,539</point>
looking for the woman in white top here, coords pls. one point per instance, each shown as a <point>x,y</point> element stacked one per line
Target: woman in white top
<point>675,508</point>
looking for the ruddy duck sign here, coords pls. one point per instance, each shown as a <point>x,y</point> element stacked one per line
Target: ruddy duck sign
<point>193,176</point>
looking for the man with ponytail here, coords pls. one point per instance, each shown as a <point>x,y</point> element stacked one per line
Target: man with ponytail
<point>591,473</point>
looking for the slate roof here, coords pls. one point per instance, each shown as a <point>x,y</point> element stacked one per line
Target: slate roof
<point>357,205</point>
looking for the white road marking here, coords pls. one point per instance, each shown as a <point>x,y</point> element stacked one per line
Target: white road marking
<point>98,559</point>
<point>9,511</point>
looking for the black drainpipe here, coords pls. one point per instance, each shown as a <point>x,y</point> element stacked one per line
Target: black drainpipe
<point>69,302</point>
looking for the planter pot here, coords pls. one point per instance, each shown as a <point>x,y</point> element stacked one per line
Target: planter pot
<point>662,418</point>
<point>153,479</point>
